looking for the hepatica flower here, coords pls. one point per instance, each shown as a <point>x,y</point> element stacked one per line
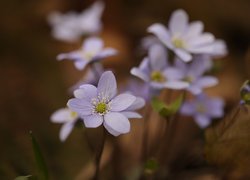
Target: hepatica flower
<point>203,109</point>
<point>193,74</point>
<point>100,105</point>
<point>184,38</point>
<point>71,26</point>
<point>68,118</point>
<point>92,50</point>
<point>155,71</point>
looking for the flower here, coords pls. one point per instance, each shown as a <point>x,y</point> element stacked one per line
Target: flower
<point>183,38</point>
<point>245,93</point>
<point>155,71</point>
<point>92,76</point>
<point>100,105</point>
<point>193,74</point>
<point>92,50</point>
<point>203,109</point>
<point>68,118</point>
<point>71,26</point>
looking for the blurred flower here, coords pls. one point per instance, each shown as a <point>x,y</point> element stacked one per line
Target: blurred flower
<point>71,26</point>
<point>148,41</point>
<point>101,105</point>
<point>245,93</point>
<point>92,76</point>
<point>68,118</point>
<point>155,71</point>
<point>92,50</point>
<point>183,38</point>
<point>130,111</point>
<point>203,109</point>
<point>193,74</point>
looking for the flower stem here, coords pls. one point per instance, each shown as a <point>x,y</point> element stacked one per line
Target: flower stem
<point>99,155</point>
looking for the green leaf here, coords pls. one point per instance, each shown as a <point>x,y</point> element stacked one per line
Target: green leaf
<point>23,177</point>
<point>164,109</point>
<point>41,165</point>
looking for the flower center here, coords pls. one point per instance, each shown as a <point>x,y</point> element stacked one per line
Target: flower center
<point>188,79</point>
<point>101,105</point>
<point>157,76</point>
<point>178,43</point>
<point>101,108</point>
<point>73,114</point>
<point>201,108</point>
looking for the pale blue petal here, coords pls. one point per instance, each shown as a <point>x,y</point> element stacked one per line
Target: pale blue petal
<point>195,90</point>
<point>202,121</point>
<point>183,55</point>
<point>81,64</point>
<point>131,114</point>
<point>204,38</point>
<point>66,130</point>
<point>62,115</point>
<point>81,106</point>
<point>93,44</point>
<point>204,49</point>
<point>116,122</point>
<point>162,33</point>
<point>188,108</point>
<point>158,57</point>
<point>178,22</point>
<point>206,81</point>
<point>140,74</point>
<point>111,130</point>
<point>86,91</point>
<point>137,104</point>
<point>92,121</point>
<point>106,53</point>
<point>215,107</point>
<point>107,85</point>
<point>178,85</point>
<point>173,73</point>
<point>194,29</point>
<point>122,102</point>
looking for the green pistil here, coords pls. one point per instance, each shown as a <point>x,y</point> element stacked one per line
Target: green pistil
<point>178,43</point>
<point>157,76</point>
<point>101,108</point>
<point>246,97</point>
<point>200,108</point>
<point>188,79</point>
<point>73,114</point>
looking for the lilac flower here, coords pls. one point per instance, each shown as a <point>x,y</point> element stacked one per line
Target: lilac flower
<point>71,26</point>
<point>245,93</point>
<point>100,105</point>
<point>155,71</point>
<point>193,74</point>
<point>68,118</point>
<point>148,41</point>
<point>92,50</point>
<point>183,38</point>
<point>203,109</point>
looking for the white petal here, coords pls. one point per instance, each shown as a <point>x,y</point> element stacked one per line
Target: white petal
<point>202,120</point>
<point>122,102</point>
<point>178,85</point>
<point>106,53</point>
<point>158,57</point>
<point>62,115</point>
<point>66,130</point>
<point>137,72</point>
<point>117,122</point>
<point>131,114</point>
<point>183,55</point>
<point>81,106</point>
<point>93,44</point>
<point>194,29</point>
<point>173,74</point>
<point>81,64</point>
<point>137,104</point>
<point>92,121</point>
<point>178,22</point>
<point>107,85</point>
<point>207,81</point>
<point>195,90</point>
<point>111,130</point>
<point>205,38</point>
<point>162,33</point>
<point>86,91</point>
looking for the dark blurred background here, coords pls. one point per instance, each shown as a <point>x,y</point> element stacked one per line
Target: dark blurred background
<point>34,84</point>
